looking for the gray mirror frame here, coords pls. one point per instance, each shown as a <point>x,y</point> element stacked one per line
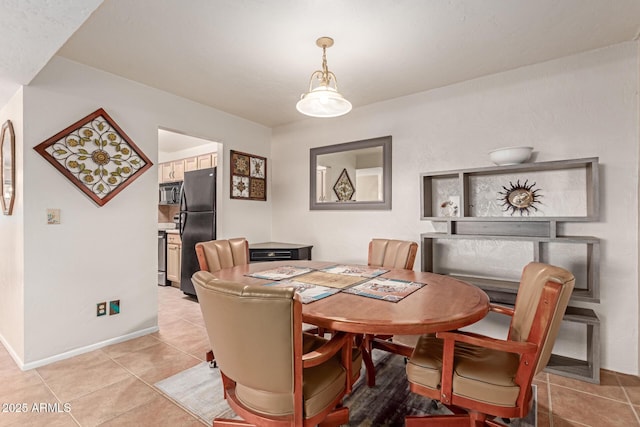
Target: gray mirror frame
<point>385,143</point>
<point>7,128</point>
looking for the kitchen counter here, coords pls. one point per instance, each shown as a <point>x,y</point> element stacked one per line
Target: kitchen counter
<point>173,231</point>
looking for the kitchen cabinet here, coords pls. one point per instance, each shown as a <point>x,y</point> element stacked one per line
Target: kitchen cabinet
<point>190,164</point>
<point>174,248</point>
<point>207,161</point>
<point>173,171</point>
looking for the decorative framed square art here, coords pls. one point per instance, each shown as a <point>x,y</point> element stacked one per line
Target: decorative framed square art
<point>248,176</point>
<point>96,156</point>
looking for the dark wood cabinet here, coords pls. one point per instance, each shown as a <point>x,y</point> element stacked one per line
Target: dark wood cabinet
<point>274,251</point>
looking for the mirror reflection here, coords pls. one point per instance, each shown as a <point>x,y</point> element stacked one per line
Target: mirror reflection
<point>7,177</point>
<point>354,175</point>
<point>350,176</point>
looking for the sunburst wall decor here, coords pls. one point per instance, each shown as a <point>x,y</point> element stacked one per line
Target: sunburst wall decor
<point>520,198</point>
<point>96,156</point>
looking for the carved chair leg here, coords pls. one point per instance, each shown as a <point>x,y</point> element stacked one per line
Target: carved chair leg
<point>336,418</point>
<point>211,359</point>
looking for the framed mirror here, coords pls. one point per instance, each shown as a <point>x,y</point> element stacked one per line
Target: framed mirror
<point>7,169</point>
<point>350,176</point>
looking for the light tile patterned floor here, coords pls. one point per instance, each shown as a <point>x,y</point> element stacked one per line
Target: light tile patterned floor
<point>113,386</point>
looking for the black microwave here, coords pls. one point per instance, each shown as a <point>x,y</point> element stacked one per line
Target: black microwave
<point>170,193</point>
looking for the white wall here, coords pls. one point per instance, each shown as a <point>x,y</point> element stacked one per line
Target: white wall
<point>104,253</point>
<point>12,242</point>
<point>580,106</point>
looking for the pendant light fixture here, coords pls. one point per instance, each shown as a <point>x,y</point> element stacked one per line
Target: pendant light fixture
<point>323,98</point>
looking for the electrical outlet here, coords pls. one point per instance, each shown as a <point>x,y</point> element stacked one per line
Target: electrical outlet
<point>101,309</point>
<point>114,307</point>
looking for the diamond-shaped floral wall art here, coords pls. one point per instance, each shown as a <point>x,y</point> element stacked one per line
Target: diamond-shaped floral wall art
<point>96,156</point>
<point>344,187</point>
<point>248,176</point>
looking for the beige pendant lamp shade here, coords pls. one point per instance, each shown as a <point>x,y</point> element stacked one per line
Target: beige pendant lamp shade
<point>323,98</point>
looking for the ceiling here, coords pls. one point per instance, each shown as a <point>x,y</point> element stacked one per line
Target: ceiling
<point>253,58</point>
<point>31,32</point>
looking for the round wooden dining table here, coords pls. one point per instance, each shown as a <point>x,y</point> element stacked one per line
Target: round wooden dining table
<point>443,304</point>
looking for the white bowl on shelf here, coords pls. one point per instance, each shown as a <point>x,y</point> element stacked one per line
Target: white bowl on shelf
<point>510,155</point>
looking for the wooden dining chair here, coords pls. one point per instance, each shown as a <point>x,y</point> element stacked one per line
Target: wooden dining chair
<point>215,255</point>
<point>395,254</point>
<point>275,375</point>
<point>481,378</point>
<point>391,253</point>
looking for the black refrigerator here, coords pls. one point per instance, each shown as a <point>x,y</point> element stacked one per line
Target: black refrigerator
<point>197,220</point>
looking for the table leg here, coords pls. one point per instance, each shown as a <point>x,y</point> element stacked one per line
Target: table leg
<point>368,361</point>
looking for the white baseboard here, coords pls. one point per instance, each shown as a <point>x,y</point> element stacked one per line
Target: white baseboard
<point>75,352</point>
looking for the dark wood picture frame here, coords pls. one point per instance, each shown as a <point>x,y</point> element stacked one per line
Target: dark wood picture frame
<point>7,167</point>
<point>96,155</point>
<point>248,180</point>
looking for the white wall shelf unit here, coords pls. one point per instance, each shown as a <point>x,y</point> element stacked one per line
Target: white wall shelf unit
<point>482,237</point>
<point>569,190</point>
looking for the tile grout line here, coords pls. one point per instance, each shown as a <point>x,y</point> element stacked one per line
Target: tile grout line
<point>591,394</point>
<point>549,398</point>
<point>151,386</point>
<point>626,395</point>
<point>56,396</point>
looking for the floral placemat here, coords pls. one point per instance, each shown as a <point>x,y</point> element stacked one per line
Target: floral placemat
<point>330,280</point>
<point>384,289</point>
<point>355,270</point>
<point>280,273</point>
<point>308,292</point>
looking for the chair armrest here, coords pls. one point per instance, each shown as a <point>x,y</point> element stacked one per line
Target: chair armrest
<point>450,338</point>
<point>320,355</point>
<point>519,347</point>
<point>501,309</point>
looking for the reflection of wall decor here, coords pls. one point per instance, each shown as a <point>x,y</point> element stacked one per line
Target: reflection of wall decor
<point>248,176</point>
<point>343,187</point>
<point>7,167</point>
<point>520,198</point>
<point>96,156</point>
<point>450,206</point>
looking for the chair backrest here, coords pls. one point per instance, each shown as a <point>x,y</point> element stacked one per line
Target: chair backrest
<point>215,255</point>
<point>392,253</point>
<point>251,331</point>
<point>534,278</point>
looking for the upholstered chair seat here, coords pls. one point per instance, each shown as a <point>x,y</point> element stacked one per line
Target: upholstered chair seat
<point>480,373</point>
<point>273,373</point>
<point>481,378</point>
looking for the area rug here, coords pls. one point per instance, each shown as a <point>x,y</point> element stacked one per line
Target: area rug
<point>199,390</point>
